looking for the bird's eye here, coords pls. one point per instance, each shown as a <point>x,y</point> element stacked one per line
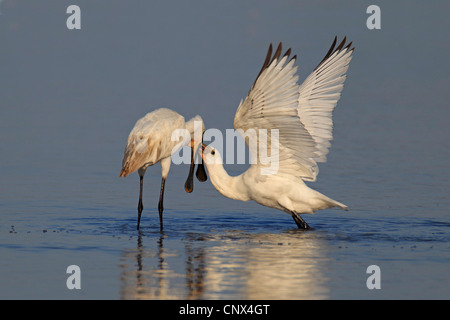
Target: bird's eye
<point>213,152</point>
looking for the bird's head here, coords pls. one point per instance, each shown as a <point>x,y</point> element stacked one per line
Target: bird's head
<point>211,156</point>
<point>196,128</point>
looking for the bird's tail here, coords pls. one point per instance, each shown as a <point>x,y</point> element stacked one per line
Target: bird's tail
<point>331,203</point>
<point>340,205</point>
<point>334,203</point>
<point>124,172</point>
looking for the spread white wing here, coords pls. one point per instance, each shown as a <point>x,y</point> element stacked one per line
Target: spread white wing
<point>301,113</point>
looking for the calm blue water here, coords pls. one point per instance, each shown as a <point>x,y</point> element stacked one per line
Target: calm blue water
<point>70,98</point>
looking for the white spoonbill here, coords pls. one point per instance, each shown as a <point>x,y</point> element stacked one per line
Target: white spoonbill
<point>303,116</point>
<point>150,141</point>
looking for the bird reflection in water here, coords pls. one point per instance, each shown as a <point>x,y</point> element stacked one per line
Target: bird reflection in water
<point>230,265</point>
<point>146,273</point>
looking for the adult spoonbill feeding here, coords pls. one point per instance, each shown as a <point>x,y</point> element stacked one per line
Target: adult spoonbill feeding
<point>302,114</point>
<point>150,141</point>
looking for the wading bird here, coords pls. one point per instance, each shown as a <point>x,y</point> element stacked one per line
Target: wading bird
<point>150,141</point>
<point>303,116</point>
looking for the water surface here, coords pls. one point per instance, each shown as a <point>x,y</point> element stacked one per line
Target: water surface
<point>70,98</point>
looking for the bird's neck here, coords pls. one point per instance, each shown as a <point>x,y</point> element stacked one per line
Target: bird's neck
<point>229,186</point>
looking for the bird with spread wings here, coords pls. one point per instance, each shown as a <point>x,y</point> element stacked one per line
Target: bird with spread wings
<point>303,116</point>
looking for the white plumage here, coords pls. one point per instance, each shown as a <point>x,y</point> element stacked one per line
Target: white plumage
<point>303,116</point>
<point>150,142</point>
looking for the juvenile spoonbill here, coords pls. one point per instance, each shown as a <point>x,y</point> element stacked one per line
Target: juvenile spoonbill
<point>150,141</point>
<point>303,116</point>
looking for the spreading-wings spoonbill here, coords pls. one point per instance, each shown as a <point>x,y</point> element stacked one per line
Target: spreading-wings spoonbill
<point>150,141</point>
<point>303,116</point>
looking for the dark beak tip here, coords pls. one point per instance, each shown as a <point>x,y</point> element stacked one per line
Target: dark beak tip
<point>189,185</point>
<point>201,173</point>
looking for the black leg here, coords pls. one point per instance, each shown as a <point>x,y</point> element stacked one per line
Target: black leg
<point>160,204</point>
<point>301,224</point>
<point>140,206</point>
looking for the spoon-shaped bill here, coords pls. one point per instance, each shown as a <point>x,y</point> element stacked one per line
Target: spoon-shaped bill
<point>189,184</point>
<point>201,172</point>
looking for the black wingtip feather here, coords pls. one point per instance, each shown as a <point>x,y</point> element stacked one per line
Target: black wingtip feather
<point>329,52</point>
<point>293,58</point>
<point>277,53</point>
<point>266,61</point>
<point>348,47</point>
<point>341,45</point>
<point>332,50</point>
<point>269,59</point>
<point>287,53</point>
